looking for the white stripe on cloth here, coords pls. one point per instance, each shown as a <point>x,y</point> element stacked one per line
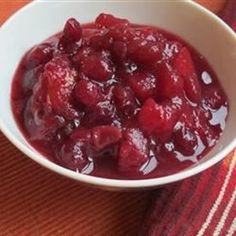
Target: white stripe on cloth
<point>223,218</point>
<point>219,198</point>
<point>232,228</point>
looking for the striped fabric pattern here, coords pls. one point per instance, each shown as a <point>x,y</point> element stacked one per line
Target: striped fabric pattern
<point>202,205</point>
<point>35,201</point>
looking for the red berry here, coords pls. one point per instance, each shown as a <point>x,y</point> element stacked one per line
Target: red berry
<point>213,97</point>
<point>73,155</point>
<point>81,55</point>
<point>103,113</point>
<point>72,30</point>
<point>133,151</point>
<point>70,42</point>
<point>186,140</point>
<point>100,41</point>
<point>205,130</point>
<point>187,117</point>
<point>75,152</point>
<point>144,52</point>
<point>39,55</point>
<point>183,63</point>
<point>208,135</point>
<point>120,33</point>
<point>61,79</point>
<point>97,66</point>
<point>88,93</point>
<point>124,100</point>
<point>104,136</point>
<point>143,85</point>
<point>81,134</point>
<point>107,20</point>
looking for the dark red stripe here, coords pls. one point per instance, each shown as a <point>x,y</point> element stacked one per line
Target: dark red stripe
<point>199,215</point>
<point>171,209</point>
<point>207,181</point>
<point>219,213</point>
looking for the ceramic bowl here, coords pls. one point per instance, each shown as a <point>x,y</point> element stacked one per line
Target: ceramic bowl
<point>199,27</point>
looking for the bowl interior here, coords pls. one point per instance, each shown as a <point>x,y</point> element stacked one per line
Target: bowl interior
<point>39,20</point>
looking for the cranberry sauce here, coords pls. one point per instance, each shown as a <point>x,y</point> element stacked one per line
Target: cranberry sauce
<point>118,100</point>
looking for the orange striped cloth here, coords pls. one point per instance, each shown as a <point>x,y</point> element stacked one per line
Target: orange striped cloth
<point>35,201</point>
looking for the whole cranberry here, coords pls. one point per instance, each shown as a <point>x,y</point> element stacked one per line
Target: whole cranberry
<point>38,55</point>
<point>72,30</point>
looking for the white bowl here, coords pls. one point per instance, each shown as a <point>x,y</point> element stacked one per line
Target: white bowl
<point>207,33</point>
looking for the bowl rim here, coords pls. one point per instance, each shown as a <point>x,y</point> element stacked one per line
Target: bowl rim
<point>117,183</point>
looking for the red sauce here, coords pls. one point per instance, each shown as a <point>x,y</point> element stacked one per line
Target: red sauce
<point>118,100</point>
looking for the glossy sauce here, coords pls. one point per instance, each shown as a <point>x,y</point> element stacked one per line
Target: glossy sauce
<point>196,118</point>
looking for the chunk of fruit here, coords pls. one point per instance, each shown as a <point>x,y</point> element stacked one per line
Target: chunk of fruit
<point>68,48</point>
<point>200,116</point>
<point>38,55</point>
<point>88,93</point>
<point>170,84</point>
<point>75,152</point>
<point>133,152</point>
<point>187,117</point>
<point>47,126</point>
<point>183,63</point>
<point>120,33</point>
<point>61,78</point>
<point>41,125</point>
<point>100,42</point>
<point>39,118</point>
<point>81,55</point>
<point>213,97</point>
<point>104,136</point>
<point>186,140</point>
<point>102,114</point>
<point>208,135</point>
<point>145,52</point>
<point>107,20</point>
<point>203,127</point>
<point>157,118</point>
<point>124,99</point>
<point>82,134</point>
<point>73,155</point>
<point>143,84</point>
<point>97,66</point>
